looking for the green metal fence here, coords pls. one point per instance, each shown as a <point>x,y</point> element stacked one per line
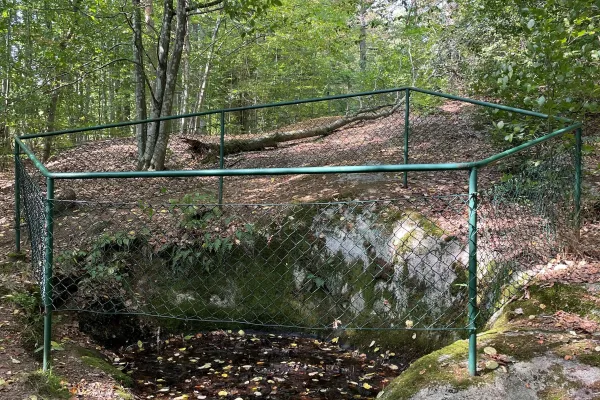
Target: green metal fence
<point>359,227</point>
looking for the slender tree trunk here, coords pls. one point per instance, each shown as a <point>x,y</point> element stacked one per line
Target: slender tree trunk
<point>159,83</point>
<point>50,124</point>
<point>158,158</point>
<point>140,84</point>
<point>362,43</point>
<point>186,81</point>
<point>6,81</point>
<point>207,67</point>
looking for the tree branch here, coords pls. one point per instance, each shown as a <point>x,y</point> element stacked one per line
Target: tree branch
<point>204,5</point>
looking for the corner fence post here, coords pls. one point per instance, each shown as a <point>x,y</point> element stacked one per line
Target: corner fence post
<point>473,271</point>
<point>17,199</point>
<point>221,157</point>
<point>577,191</point>
<point>406,132</point>
<point>47,282</point>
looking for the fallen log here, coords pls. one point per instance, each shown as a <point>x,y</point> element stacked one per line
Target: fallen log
<point>272,139</point>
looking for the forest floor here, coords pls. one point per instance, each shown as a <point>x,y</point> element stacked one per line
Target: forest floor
<point>295,367</point>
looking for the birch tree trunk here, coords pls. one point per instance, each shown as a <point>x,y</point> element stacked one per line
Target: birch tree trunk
<point>204,80</point>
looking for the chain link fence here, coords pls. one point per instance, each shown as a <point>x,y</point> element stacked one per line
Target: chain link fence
<point>324,251</point>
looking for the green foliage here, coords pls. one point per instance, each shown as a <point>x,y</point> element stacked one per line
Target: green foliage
<point>30,316</point>
<point>207,234</point>
<point>541,55</point>
<point>107,259</point>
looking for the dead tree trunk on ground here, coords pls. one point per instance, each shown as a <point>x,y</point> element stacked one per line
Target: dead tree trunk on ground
<point>272,139</point>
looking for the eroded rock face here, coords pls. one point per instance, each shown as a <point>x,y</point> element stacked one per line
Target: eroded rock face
<point>539,378</point>
<point>405,259</point>
<point>339,266</point>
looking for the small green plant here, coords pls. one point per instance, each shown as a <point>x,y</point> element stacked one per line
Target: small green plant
<point>30,317</point>
<point>47,385</point>
<point>209,234</point>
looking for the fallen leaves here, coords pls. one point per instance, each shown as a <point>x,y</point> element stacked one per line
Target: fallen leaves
<point>233,365</point>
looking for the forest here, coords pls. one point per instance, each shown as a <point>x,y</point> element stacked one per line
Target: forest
<point>71,63</point>
<point>313,263</point>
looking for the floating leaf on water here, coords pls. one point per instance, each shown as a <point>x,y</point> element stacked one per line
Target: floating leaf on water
<point>490,351</point>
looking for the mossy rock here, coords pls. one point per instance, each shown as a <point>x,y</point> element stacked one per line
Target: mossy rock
<point>47,385</point>
<point>96,360</point>
<point>574,299</point>
<point>534,363</point>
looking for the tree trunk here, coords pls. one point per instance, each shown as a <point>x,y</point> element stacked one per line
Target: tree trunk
<point>362,42</point>
<point>207,66</point>
<point>50,124</point>
<point>158,158</point>
<point>140,84</point>
<point>159,83</point>
<point>186,81</point>
<point>272,139</point>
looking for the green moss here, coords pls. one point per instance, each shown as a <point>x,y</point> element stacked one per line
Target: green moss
<point>573,299</point>
<point>521,346</point>
<point>441,366</point>
<point>592,359</point>
<point>7,267</point>
<point>95,360</point>
<point>410,343</point>
<point>16,256</point>
<point>422,226</point>
<point>47,385</point>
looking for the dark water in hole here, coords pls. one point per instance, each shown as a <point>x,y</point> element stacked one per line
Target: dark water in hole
<point>223,365</point>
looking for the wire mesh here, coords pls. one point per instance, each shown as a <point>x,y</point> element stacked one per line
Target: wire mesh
<point>526,219</point>
<point>352,265</point>
<point>33,199</point>
<point>309,252</point>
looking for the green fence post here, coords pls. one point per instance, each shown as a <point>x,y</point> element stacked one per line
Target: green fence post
<point>47,289</point>
<point>577,192</point>
<point>17,199</point>
<point>473,271</point>
<point>406,132</point>
<point>221,156</point>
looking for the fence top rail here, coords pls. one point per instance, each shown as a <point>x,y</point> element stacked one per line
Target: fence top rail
<point>295,102</point>
<point>294,171</point>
